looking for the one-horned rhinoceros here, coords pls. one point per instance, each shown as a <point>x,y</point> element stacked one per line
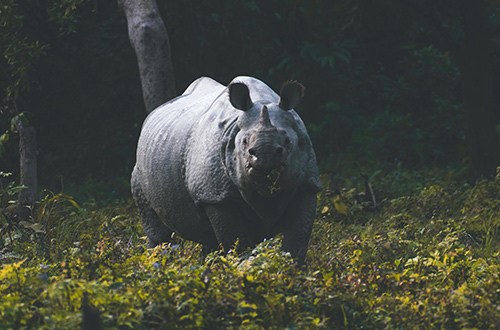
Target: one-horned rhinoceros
<point>220,164</point>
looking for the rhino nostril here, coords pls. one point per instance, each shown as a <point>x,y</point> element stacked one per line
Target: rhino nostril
<point>253,157</point>
<point>279,150</point>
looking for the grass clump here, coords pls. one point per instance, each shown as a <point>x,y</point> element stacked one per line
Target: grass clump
<point>423,259</point>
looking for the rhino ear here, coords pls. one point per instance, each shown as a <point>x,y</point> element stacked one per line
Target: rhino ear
<point>291,94</point>
<point>239,96</point>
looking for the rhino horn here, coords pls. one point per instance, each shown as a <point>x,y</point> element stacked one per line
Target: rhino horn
<point>264,120</point>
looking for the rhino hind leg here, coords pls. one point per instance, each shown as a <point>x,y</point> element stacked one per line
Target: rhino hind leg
<point>155,229</point>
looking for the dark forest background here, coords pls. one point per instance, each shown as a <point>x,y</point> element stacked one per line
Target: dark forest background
<point>383,80</point>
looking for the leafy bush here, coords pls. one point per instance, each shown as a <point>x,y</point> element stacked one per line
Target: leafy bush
<point>425,259</point>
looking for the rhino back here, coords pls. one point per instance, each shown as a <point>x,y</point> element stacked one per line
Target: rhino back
<point>164,141</point>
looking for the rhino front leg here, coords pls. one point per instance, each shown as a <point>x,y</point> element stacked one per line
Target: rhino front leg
<point>300,218</point>
<point>228,225</point>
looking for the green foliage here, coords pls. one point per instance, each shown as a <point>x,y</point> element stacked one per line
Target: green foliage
<point>5,137</point>
<point>428,258</point>
<point>22,51</point>
<point>8,195</point>
<point>28,32</point>
<point>374,90</point>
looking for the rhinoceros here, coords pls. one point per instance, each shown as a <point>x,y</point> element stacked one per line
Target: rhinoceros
<point>225,164</point>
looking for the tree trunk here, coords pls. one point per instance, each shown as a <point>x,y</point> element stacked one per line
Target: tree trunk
<point>149,38</point>
<point>475,65</point>
<point>28,168</point>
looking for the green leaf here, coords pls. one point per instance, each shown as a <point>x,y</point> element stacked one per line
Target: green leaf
<point>374,175</point>
<point>22,117</point>
<point>342,56</point>
<point>339,205</point>
<point>37,227</point>
<point>4,138</point>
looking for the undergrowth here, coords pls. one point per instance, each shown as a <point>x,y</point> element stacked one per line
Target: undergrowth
<point>424,257</point>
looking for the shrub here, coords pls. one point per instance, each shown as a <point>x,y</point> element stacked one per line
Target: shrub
<point>426,259</point>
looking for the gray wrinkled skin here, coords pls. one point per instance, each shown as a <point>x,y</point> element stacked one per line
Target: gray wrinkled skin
<point>217,164</point>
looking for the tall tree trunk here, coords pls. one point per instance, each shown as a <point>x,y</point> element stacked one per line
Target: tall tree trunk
<point>475,65</point>
<point>149,38</point>
<point>28,168</point>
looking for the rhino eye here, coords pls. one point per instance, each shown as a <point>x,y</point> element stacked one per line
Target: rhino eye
<point>245,142</point>
<point>287,142</point>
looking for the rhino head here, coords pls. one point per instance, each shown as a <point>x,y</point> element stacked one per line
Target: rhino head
<point>267,142</point>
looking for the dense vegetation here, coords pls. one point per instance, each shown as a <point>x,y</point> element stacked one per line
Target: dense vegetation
<point>404,237</point>
<point>427,259</point>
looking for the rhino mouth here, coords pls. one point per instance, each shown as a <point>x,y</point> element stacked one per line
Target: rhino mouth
<point>264,173</point>
<point>267,182</point>
<point>257,173</point>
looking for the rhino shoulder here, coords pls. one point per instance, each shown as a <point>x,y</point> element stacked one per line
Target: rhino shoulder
<point>313,181</point>
<point>203,85</point>
<point>191,104</point>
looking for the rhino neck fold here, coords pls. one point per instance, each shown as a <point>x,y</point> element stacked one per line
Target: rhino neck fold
<point>227,148</point>
<point>268,209</point>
